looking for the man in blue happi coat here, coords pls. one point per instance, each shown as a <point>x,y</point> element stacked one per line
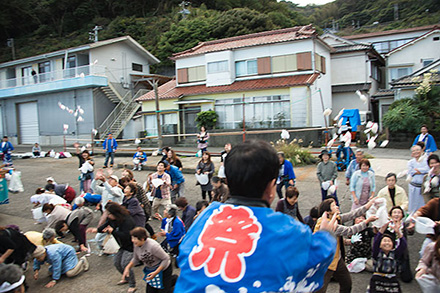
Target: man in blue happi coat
<point>6,148</point>
<point>243,245</point>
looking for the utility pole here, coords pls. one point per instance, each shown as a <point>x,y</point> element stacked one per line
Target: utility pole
<point>154,83</point>
<point>184,11</point>
<point>10,43</point>
<point>93,36</point>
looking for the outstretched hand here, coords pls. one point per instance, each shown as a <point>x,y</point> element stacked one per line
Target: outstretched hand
<point>328,225</point>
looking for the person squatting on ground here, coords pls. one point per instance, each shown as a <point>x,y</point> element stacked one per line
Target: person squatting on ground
<point>387,253</point>
<point>231,242</point>
<point>139,159</point>
<point>220,190</point>
<point>62,259</point>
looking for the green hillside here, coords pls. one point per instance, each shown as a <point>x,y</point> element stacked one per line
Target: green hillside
<point>40,26</point>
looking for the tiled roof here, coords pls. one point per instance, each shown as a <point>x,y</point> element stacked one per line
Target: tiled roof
<point>345,88</point>
<point>383,93</point>
<point>170,91</point>
<point>263,38</point>
<point>350,48</point>
<point>390,32</point>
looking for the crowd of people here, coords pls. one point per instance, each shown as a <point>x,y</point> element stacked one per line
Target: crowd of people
<point>223,241</point>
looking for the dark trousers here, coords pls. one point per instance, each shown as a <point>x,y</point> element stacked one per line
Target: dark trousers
<point>280,187</point>
<point>209,194</point>
<point>107,156</point>
<point>167,282</point>
<point>324,196</point>
<point>341,275</point>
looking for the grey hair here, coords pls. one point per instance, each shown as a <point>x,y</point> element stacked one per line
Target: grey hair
<point>79,201</point>
<point>359,151</point>
<point>10,273</point>
<point>48,233</point>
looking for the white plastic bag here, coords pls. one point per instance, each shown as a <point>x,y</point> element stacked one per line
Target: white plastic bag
<point>111,246</point>
<point>15,184</point>
<point>221,172</point>
<point>203,179</point>
<point>157,182</point>
<point>357,265</point>
<point>424,225</point>
<point>379,209</point>
<point>86,167</point>
<point>136,161</point>
<point>199,154</point>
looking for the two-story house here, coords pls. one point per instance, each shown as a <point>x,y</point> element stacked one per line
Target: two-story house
<point>96,78</point>
<point>277,78</point>
<point>355,67</point>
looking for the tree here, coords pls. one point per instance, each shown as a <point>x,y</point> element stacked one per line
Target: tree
<point>207,119</point>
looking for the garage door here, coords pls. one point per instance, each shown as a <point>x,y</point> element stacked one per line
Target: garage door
<point>28,123</point>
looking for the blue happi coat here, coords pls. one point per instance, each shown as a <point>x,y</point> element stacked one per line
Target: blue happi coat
<point>232,247</point>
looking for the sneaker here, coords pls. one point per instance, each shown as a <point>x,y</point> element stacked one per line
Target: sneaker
<point>140,168</point>
<point>101,252</point>
<point>86,263</point>
<point>111,165</point>
<point>103,167</point>
<point>134,168</point>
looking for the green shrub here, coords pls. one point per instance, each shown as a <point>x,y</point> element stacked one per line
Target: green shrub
<point>207,119</point>
<point>294,152</point>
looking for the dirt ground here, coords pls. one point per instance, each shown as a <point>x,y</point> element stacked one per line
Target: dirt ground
<point>103,276</point>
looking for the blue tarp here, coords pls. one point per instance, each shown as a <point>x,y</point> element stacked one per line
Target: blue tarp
<point>353,116</point>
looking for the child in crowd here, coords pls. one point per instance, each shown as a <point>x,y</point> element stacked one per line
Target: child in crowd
<point>289,204</point>
<point>311,219</point>
<point>36,150</point>
<point>139,159</point>
<point>387,253</point>
<point>200,207</point>
<point>360,244</point>
<point>220,192</point>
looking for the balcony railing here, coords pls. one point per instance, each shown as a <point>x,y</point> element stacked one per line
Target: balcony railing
<point>68,73</point>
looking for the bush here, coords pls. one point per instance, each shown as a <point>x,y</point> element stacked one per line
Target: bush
<point>294,152</point>
<point>207,119</point>
<point>403,115</point>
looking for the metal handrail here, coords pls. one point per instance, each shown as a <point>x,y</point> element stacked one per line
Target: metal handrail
<point>75,72</point>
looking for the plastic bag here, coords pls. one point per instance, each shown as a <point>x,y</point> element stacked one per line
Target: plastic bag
<point>428,283</point>
<point>379,209</point>
<point>203,179</point>
<point>424,225</point>
<point>86,167</point>
<point>15,184</point>
<point>199,154</point>
<point>111,246</point>
<point>357,265</point>
<point>221,172</point>
<point>136,161</point>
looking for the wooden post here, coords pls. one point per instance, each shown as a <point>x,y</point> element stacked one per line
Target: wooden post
<point>159,126</point>
<point>244,121</point>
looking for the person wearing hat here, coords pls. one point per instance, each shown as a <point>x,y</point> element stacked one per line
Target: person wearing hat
<point>327,173</point>
<point>11,279</point>
<point>286,175</point>
<point>62,259</point>
<point>110,146</point>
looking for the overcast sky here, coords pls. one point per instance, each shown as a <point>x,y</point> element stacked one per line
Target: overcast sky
<point>305,2</point>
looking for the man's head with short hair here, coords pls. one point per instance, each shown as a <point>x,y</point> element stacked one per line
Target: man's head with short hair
<point>139,232</point>
<point>49,187</point>
<point>251,170</point>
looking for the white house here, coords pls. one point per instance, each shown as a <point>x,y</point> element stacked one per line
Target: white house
<point>96,77</point>
<point>277,78</point>
<point>354,67</point>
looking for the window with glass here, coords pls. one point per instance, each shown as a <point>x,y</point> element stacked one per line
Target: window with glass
<point>27,77</point>
<point>247,67</point>
<point>69,71</point>
<point>44,71</point>
<point>219,66</point>
<point>168,122</point>
<point>259,112</point>
<point>136,67</point>
<point>396,73</point>
<point>426,62</point>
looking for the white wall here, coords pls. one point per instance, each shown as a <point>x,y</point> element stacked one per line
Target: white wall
<point>273,50</point>
<point>349,68</point>
<point>412,55</point>
<point>192,61</point>
<point>118,59</point>
<point>220,78</point>
<point>392,37</point>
